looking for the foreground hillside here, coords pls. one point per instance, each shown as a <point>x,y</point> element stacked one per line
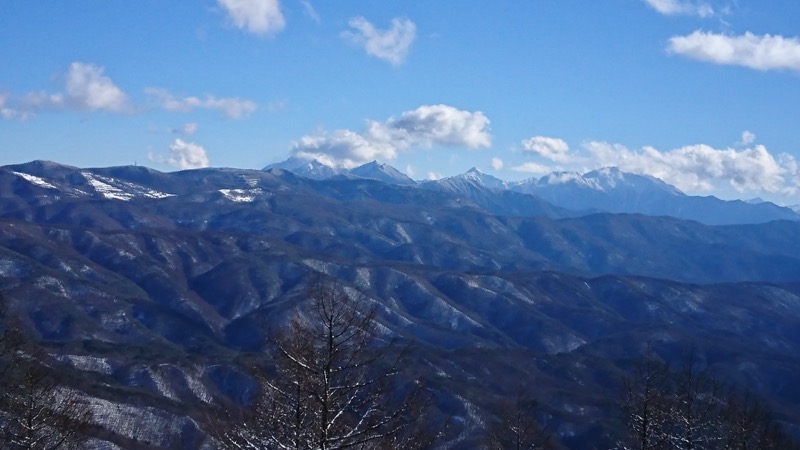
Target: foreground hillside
<point>153,286</point>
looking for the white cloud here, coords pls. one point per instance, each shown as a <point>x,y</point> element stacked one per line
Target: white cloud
<point>344,148</point>
<point>702,168</point>
<point>553,149</point>
<point>747,138</point>
<point>88,89</point>
<point>183,155</point>
<point>765,52</point>
<point>424,127</point>
<point>443,125</point>
<point>532,167</point>
<point>42,101</point>
<point>9,113</point>
<point>391,45</point>
<point>230,107</point>
<point>681,7</point>
<point>696,168</point>
<point>434,176</point>
<point>262,17</point>
<point>497,164</point>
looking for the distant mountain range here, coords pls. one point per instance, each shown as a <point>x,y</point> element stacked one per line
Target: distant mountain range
<point>150,286</point>
<point>603,190</point>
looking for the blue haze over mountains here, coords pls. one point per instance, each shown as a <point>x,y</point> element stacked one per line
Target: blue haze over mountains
<point>161,280</point>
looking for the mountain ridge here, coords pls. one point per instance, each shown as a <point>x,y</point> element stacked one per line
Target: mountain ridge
<point>155,299</point>
<point>601,190</point>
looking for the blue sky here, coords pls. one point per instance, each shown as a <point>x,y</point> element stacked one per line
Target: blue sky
<point>703,94</point>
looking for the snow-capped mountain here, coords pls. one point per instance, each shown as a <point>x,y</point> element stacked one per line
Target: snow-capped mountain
<point>469,183</point>
<point>475,176</point>
<point>308,168</point>
<point>114,183</point>
<point>382,172</point>
<point>316,170</point>
<point>151,298</point>
<point>559,194</point>
<point>612,190</point>
<point>609,181</point>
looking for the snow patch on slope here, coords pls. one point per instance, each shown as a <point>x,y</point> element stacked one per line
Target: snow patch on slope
<point>106,190</point>
<point>87,363</point>
<point>241,195</point>
<point>33,179</point>
<point>114,189</point>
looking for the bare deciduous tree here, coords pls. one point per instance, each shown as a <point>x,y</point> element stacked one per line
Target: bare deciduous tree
<point>515,426</point>
<point>36,410</point>
<point>694,407</point>
<point>645,406</point>
<point>692,410</point>
<point>746,424</point>
<point>335,384</point>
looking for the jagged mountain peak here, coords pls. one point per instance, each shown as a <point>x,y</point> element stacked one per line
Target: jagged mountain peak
<point>480,178</point>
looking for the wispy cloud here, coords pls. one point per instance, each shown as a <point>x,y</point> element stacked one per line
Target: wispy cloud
<point>86,88</point>
<point>497,163</point>
<point>392,44</point>
<point>183,155</point>
<point>748,138</point>
<point>262,17</point>
<point>434,176</point>
<point>186,129</point>
<point>426,126</point>
<point>765,52</point>
<point>681,7</point>
<point>310,11</point>
<point>230,107</point>
<point>553,149</point>
<point>533,168</point>
<point>9,113</point>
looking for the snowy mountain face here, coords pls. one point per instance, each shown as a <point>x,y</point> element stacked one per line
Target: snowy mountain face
<point>560,194</point>
<point>315,170</point>
<point>483,179</point>
<point>382,172</point>
<point>470,184</point>
<point>611,178</point>
<point>308,168</point>
<point>85,183</point>
<point>603,190</point>
<point>149,286</point>
<point>608,180</point>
